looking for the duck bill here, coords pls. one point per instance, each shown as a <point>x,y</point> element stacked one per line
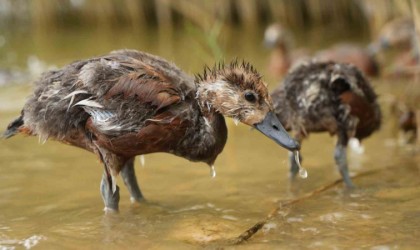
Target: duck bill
<point>272,128</point>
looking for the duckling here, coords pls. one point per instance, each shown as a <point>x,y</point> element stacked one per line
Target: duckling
<point>282,59</point>
<point>408,124</point>
<point>130,103</point>
<point>399,35</point>
<point>405,121</point>
<point>327,97</point>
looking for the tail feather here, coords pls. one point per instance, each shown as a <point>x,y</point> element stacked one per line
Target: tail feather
<point>13,127</point>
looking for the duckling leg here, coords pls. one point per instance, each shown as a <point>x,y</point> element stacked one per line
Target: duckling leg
<point>340,157</point>
<point>129,176</point>
<point>111,199</point>
<point>109,190</point>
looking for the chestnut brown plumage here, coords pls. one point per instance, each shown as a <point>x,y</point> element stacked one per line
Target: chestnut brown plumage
<point>130,103</point>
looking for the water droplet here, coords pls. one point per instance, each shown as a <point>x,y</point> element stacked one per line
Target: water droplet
<point>356,147</point>
<point>302,171</point>
<point>142,160</point>
<point>212,171</point>
<point>236,121</point>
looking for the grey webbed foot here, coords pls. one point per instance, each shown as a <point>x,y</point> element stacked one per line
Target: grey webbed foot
<point>111,199</point>
<point>129,177</point>
<point>340,157</point>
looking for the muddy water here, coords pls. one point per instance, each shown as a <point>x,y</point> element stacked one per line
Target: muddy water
<point>49,193</point>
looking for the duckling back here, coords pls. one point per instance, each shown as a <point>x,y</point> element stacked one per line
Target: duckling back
<point>63,100</point>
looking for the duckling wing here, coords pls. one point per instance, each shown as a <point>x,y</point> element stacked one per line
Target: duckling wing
<point>119,93</point>
<point>149,112</point>
<point>138,95</point>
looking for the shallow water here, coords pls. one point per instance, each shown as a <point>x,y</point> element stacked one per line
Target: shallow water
<point>49,194</point>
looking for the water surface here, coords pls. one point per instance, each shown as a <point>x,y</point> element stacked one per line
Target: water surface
<point>49,193</point>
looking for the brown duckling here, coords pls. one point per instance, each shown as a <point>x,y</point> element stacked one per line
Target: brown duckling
<point>130,103</point>
<point>398,35</point>
<point>406,121</point>
<point>327,97</point>
<point>282,58</point>
<point>408,124</point>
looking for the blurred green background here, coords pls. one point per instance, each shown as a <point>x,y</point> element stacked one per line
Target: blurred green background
<point>56,31</point>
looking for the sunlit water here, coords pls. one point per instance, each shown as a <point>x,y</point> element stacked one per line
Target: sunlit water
<point>49,194</point>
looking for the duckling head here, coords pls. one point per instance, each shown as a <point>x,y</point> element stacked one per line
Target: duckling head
<point>238,91</point>
<point>276,35</point>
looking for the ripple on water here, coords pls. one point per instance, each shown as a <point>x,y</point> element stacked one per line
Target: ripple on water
<point>269,227</point>
<point>332,217</point>
<point>294,219</point>
<point>381,247</point>
<point>27,243</point>
<point>312,230</point>
<point>230,217</point>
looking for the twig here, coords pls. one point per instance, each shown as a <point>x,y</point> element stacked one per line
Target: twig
<point>257,227</point>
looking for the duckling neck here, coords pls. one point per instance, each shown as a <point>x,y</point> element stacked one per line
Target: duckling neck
<point>280,60</point>
<point>282,50</point>
<point>206,96</point>
<point>207,140</point>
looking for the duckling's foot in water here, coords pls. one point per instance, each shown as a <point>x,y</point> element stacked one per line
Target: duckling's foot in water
<point>129,177</point>
<point>111,198</point>
<point>340,157</point>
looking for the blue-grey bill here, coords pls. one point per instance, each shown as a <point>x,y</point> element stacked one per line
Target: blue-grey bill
<point>272,128</point>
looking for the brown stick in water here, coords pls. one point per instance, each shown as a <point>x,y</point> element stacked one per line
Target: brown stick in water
<point>257,227</point>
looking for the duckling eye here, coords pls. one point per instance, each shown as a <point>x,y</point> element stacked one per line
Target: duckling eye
<point>250,97</point>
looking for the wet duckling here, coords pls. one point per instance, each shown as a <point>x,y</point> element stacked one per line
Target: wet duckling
<point>327,97</point>
<point>282,57</point>
<point>130,103</point>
